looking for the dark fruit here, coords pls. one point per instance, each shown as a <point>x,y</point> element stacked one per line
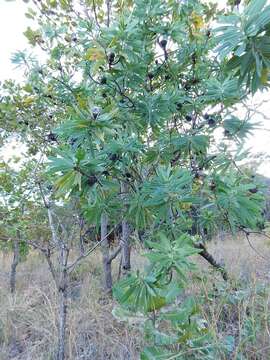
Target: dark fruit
<point>114,157</point>
<point>104,95</point>
<point>206,116</point>
<point>103,80</point>
<point>187,86</point>
<point>195,81</point>
<point>111,57</point>
<point>211,122</point>
<point>179,106</point>
<point>188,118</point>
<point>163,43</point>
<point>128,175</point>
<point>212,186</point>
<point>95,112</point>
<point>52,137</point>
<point>106,173</point>
<point>74,38</point>
<point>151,75</point>
<point>253,190</point>
<point>156,62</point>
<point>91,180</point>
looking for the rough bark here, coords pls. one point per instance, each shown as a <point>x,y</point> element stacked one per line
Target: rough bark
<point>208,257</point>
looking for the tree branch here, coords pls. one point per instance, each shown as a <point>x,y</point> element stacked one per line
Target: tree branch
<point>208,257</point>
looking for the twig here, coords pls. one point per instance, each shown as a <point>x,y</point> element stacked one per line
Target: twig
<point>114,254</point>
<point>82,256</point>
<point>247,233</point>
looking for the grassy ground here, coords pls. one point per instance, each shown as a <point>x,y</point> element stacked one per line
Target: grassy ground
<point>28,321</point>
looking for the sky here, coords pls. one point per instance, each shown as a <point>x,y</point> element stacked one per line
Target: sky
<point>12,25</point>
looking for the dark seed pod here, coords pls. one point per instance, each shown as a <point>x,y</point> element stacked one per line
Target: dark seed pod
<point>103,80</point>
<point>163,43</point>
<point>179,106</point>
<point>188,118</point>
<point>111,57</point>
<point>95,112</point>
<point>128,175</point>
<point>206,116</point>
<point>114,157</point>
<point>195,81</point>
<point>253,190</point>
<point>211,122</point>
<point>74,38</point>
<point>106,173</point>
<point>187,86</point>
<point>156,62</point>
<point>52,137</point>
<point>212,186</point>
<point>208,33</point>
<point>91,180</point>
<point>150,75</point>
<point>104,95</point>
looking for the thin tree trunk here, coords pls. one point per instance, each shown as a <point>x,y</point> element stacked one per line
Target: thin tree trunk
<point>124,243</point>
<point>15,262</point>
<point>62,292</point>
<point>105,248</point>
<point>125,246</point>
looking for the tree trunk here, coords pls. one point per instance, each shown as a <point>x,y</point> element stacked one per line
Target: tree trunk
<point>125,246</point>
<point>62,292</point>
<point>105,248</point>
<point>15,262</point>
<point>124,243</point>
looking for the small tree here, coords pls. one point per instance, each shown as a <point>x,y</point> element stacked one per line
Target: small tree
<point>145,93</point>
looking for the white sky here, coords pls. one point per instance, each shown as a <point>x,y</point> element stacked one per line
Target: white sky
<point>12,25</point>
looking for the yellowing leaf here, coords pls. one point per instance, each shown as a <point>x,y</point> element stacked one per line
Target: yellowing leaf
<point>82,102</point>
<point>197,21</point>
<point>94,54</point>
<point>264,76</point>
<point>28,100</point>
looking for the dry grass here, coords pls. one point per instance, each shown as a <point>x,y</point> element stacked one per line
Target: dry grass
<point>28,322</point>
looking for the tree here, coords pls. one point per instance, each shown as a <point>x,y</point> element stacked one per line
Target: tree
<point>144,94</point>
